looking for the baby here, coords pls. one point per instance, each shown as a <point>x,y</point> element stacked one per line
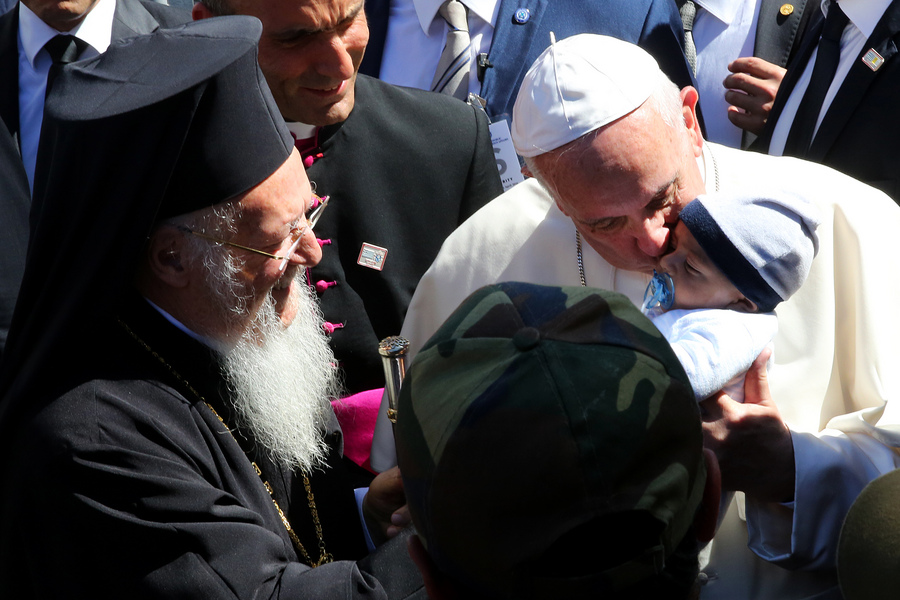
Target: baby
<point>732,259</point>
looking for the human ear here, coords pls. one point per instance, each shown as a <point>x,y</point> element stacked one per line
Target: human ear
<point>165,256</point>
<point>708,514</point>
<point>744,305</point>
<point>689,98</point>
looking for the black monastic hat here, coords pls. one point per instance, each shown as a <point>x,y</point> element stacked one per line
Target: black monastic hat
<point>159,125</point>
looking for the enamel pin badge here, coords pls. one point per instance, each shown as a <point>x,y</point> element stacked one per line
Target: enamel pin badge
<point>872,59</point>
<point>372,256</point>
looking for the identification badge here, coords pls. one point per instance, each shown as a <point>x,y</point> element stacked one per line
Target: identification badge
<point>505,155</point>
<point>372,256</point>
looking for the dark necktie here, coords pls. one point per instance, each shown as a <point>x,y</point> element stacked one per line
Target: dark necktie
<point>827,59</point>
<point>688,12</point>
<point>63,49</point>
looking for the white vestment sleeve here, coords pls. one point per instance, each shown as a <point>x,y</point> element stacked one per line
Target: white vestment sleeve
<point>836,366</point>
<point>832,469</point>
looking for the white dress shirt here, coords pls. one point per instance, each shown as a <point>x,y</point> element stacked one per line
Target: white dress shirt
<point>35,63</point>
<point>723,31</point>
<point>416,36</point>
<point>863,16</point>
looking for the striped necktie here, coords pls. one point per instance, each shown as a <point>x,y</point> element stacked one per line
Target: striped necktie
<point>452,74</point>
<point>688,12</point>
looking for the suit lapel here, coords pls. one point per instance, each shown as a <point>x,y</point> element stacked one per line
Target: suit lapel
<point>788,83</point>
<point>511,42</point>
<point>132,19</point>
<point>857,82</point>
<point>9,72</point>
<point>776,33</point>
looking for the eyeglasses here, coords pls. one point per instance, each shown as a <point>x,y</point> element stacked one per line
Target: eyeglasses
<point>315,213</point>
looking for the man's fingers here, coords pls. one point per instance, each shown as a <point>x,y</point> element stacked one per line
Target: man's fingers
<point>713,408</point>
<point>751,90</point>
<point>743,101</point>
<point>746,121</point>
<point>741,90</point>
<point>748,85</point>
<point>747,64</point>
<point>759,84</point>
<point>401,516</point>
<point>400,520</point>
<point>384,499</point>
<point>756,67</point>
<point>756,382</point>
<point>388,487</point>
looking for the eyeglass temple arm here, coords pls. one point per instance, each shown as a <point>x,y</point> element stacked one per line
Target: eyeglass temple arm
<point>227,243</point>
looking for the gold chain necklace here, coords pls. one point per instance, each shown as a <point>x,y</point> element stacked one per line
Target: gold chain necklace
<point>324,556</point>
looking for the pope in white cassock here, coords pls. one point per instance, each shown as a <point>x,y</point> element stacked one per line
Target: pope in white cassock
<point>616,151</point>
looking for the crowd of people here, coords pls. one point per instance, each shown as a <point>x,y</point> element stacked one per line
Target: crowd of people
<point>212,211</point>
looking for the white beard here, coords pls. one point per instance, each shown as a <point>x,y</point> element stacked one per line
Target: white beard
<point>281,380</point>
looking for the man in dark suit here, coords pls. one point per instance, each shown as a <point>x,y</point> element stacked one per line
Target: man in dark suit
<point>852,126</point>
<point>19,138</point>
<point>779,29</point>
<point>747,44</point>
<point>521,31</point>
<point>403,168</point>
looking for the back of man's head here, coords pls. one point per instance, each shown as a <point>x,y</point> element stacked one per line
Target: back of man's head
<point>551,448</point>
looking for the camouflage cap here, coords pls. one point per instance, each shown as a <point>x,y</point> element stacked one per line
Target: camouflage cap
<point>870,542</point>
<point>532,417</point>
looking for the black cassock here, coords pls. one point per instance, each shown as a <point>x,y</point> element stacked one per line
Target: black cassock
<point>118,481</point>
<point>128,486</point>
<point>403,171</point>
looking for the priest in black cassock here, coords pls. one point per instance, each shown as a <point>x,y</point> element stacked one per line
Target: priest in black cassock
<point>165,430</point>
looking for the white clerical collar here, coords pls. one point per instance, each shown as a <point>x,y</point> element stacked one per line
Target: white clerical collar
<point>705,164</point>
<point>864,14</point>
<point>209,343</point>
<point>427,10</point>
<point>723,10</point>
<point>301,131</point>
<point>95,29</point>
